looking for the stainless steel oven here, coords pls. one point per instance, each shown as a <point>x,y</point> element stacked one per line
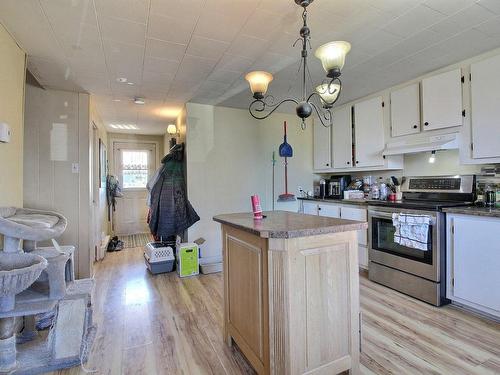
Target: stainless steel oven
<point>411,271</point>
<point>418,273</point>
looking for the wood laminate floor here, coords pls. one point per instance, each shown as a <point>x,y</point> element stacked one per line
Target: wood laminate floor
<point>165,325</point>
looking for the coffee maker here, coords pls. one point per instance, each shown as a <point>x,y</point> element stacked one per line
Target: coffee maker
<point>337,185</point>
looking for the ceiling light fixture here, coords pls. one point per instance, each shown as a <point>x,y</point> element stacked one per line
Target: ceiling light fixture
<point>140,101</point>
<point>130,83</point>
<point>332,56</point>
<point>171,129</point>
<point>124,126</point>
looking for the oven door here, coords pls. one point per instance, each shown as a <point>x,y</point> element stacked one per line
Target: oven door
<point>385,251</point>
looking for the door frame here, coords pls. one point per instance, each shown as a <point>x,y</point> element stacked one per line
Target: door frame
<point>112,166</point>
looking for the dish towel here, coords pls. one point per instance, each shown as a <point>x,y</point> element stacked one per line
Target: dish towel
<point>411,230</point>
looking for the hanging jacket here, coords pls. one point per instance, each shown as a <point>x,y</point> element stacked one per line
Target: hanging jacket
<point>171,212</point>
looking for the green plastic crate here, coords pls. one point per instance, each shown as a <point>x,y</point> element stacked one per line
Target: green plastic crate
<point>187,259</point>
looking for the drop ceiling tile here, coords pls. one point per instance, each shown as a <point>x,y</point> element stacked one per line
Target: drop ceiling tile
<point>173,29</point>
<point>276,6</point>
<point>163,66</point>
<point>131,10</point>
<point>122,31</point>
<point>80,11</point>
<point>194,68</point>
<point>413,21</point>
<point>208,48</point>
<point>447,27</point>
<point>209,25</point>
<point>224,76</point>
<point>274,62</point>
<point>165,50</point>
<point>231,7</point>
<point>395,7</point>
<point>490,28</point>
<point>234,63</point>
<point>29,26</point>
<point>471,16</point>
<point>448,7</point>
<point>157,78</point>
<point>262,24</point>
<point>248,46</point>
<point>377,42</point>
<point>493,5</point>
<point>174,8</point>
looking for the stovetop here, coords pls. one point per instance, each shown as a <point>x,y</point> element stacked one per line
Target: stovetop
<point>419,205</point>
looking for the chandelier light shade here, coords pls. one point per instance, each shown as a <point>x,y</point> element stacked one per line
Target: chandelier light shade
<point>328,93</point>
<point>332,56</point>
<point>259,81</point>
<point>171,129</point>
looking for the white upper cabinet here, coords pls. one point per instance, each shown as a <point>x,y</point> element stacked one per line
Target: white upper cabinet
<point>322,150</point>
<point>442,100</point>
<point>405,110</point>
<point>369,132</point>
<point>342,138</point>
<point>485,111</point>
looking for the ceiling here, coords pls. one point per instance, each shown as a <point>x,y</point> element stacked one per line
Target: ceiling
<point>199,50</point>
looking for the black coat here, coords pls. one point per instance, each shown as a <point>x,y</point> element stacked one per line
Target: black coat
<point>171,212</point>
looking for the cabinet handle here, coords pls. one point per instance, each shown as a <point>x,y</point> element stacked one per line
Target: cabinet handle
<point>327,164</point>
<point>348,162</point>
<point>319,208</point>
<point>357,162</point>
<point>426,124</point>
<point>415,126</point>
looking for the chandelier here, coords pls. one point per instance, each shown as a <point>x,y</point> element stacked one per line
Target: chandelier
<point>332,56</point>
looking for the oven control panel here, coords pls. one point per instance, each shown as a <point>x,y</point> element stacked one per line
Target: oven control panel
<point>435,184</point>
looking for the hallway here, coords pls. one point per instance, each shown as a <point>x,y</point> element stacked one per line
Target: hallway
<point>167,325</point>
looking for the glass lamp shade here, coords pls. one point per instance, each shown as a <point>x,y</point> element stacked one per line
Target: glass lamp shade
<point>171,129</point>
<point>332,56</point>
<point>259,81</point>
<point>328,92</point>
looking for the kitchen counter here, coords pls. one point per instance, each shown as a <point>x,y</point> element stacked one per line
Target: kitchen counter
<point>475,211</point>
<point>360,202</point>
<point>283,224</point>
<point>288,278</point>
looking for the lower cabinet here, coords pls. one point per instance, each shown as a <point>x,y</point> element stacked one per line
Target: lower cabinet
<point>473,262</point>
<point>348,212</point>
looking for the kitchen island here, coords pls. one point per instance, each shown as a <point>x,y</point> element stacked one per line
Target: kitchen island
<point>291,291</point>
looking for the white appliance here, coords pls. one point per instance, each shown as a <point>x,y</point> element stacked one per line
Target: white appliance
<point>4,132</point>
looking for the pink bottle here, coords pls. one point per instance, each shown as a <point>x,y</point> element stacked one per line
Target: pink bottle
<point>257,209</point>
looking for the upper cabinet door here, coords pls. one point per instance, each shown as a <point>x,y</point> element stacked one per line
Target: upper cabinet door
<point>405,111</point>
<point>442,100</point>
<point>342,138</point>
<point>485,112</point>
<point>322,150</point>
<point>369,132</point>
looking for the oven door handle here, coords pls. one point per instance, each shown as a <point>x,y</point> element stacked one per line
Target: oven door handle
<point>388,215</point>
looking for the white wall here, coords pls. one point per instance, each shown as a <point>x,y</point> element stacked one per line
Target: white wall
<point>49,182</point>
<point>228,159</point>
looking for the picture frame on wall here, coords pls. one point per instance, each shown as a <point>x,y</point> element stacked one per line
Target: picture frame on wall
<point>103,164</point>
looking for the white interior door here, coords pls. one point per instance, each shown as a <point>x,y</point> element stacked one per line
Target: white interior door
<point>134,164</point>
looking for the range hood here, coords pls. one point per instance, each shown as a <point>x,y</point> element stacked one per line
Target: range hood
<point>435,143</point>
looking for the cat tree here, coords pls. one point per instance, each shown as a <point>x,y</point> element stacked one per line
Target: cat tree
<point>37,280</point>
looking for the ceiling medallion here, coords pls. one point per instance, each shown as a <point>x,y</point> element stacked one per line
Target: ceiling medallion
<point>332,56</point>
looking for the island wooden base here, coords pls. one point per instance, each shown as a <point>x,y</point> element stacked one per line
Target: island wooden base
<point>292,305</point>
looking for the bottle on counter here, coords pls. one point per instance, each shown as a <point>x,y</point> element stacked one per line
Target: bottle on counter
<point>383,191</point>
<point>375,191</point>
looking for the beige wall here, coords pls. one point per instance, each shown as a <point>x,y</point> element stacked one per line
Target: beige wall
<point>229,159</point>
<point>12,77</point>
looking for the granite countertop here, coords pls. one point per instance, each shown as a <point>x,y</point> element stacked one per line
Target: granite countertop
<point>474,210</point>
<point>360,202</point>
<point>283,224</point>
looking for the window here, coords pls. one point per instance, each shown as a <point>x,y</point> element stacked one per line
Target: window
<point>135,169</point>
